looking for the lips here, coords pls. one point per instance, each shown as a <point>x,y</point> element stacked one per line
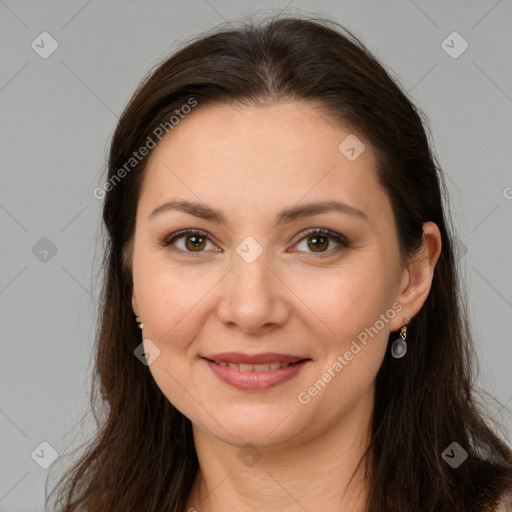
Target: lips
<point>246,377</point>
<point>254,359</point>
<point>261,367</point>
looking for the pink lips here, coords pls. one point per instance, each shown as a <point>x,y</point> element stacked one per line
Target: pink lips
<point>255,380</point>
<point>266,357</point>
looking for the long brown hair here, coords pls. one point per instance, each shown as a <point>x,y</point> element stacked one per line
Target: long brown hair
<point>142,456</point>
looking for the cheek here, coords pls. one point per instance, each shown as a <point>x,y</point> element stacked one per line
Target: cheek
<point>357,312</point>
<point>346,300</point>
<point>354,307</point>
<point>171,308</point>
<point>170,304</point>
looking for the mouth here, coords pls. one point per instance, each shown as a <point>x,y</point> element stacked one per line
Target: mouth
<point>256,376</point>
<point>260,367</point>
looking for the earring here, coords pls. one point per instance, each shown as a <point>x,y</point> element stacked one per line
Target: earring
<point>137,319</point>
<point>399,346</point>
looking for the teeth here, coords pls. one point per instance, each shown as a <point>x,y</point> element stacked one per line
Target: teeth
<point>262,367</point>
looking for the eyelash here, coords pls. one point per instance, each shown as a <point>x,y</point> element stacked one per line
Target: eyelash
<point>340,239</point>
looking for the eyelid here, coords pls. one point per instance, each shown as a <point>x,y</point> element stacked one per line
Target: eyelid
<point>173,237</point>
<point>340,239</point>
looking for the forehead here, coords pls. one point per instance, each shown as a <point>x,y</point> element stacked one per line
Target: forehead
<point>283,152</point>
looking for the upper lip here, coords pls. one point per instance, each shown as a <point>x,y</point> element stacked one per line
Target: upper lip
<point>266,357</point>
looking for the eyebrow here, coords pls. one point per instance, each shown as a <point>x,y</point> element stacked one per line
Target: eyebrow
<point>285,216</point>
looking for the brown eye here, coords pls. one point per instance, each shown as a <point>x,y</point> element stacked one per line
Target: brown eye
<point>193,241</point>
<point>319,240</point>
<point>318,243</point>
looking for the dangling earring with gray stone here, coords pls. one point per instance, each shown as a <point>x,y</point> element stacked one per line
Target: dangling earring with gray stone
<point>399,346</point>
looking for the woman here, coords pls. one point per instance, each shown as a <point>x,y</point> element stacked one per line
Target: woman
<point>276,225</point>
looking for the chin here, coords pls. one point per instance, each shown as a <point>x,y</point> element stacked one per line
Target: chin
<point>259,430</point>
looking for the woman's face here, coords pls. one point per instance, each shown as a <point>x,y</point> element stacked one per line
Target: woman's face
<point>253,282</point>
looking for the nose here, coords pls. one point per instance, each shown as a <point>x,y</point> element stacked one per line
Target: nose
<point>254,298</point>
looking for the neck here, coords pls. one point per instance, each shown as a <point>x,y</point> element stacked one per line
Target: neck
<point>318,473</point>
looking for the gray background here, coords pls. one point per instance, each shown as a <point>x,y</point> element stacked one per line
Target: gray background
<point>57,117</point>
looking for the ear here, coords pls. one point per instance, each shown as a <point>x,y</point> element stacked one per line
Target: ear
<point>135,302</point>
<point>417,277</point>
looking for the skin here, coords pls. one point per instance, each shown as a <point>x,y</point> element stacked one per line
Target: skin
<point>251,162</point>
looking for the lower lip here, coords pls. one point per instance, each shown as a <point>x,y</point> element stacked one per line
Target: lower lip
<point>252,380</point>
